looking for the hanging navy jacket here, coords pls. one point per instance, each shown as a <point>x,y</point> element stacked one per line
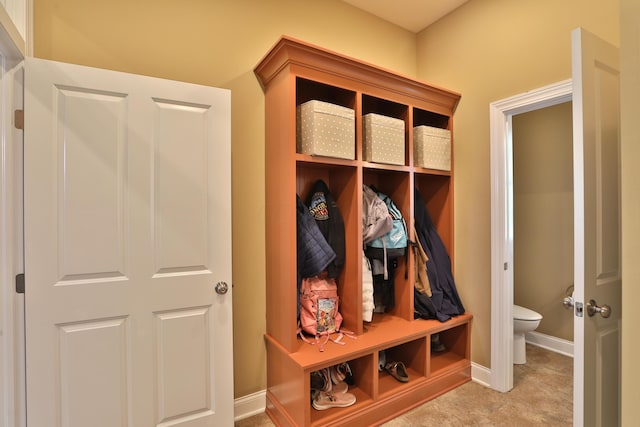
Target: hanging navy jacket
<point>325,210</point>
<point>314,253</point>
<point>445,298</point>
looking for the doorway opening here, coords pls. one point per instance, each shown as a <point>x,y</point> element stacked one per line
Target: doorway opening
<point>543,224</point>
<point>502,208</point>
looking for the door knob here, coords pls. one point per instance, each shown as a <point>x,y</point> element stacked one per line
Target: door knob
<point>567,302</point>
<point>568,299</point>
<point>221,288</point>
<point>592,309</point>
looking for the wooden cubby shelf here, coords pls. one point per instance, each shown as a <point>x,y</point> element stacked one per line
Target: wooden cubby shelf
<point>292,73</point>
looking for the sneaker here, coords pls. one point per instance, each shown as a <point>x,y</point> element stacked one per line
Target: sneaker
<point>317,381</point>
<point>327,379</point>
<point>326,400</point>
<point>382,360</point>
<point>321,380</point>
<point>436,345</point>
<point>340,388</point>
<point>341,372</point>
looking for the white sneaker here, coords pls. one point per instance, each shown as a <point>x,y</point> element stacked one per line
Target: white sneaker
<point>326,400</point>
<point>340,388</point>
<point>341,372</point>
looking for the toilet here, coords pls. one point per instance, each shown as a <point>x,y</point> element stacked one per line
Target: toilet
<point>524,320</point>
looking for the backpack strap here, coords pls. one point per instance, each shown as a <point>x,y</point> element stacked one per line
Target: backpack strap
<point>322,343</point>
<point>343,333</point>
<point>413,245</point>
<point>384,260</point>
<point>317,340</point>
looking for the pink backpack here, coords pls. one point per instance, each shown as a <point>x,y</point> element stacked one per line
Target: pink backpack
<point>319,311</point>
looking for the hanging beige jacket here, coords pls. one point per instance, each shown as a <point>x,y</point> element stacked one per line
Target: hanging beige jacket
<point>422,280</point>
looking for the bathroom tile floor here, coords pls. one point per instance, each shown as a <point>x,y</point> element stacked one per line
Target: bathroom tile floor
<point>542,395</point>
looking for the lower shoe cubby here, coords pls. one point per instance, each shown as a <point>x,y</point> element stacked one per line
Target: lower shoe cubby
<point>409,357</point>
<point>455,341</point>
<point>362,388</point>
<point>378,395</point>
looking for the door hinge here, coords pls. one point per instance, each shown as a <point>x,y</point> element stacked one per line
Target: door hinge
<point>18,119</point>
<point>20,283</point>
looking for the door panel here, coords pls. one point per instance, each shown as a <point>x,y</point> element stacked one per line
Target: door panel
<point>127,229</point>
<point>181,184</point>
<point>183,390</point>
<point>91,139</point>
<point>596,117</point>
<point>94,353</point>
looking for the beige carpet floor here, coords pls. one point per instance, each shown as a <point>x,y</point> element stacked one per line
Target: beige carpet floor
<point>542,395</point>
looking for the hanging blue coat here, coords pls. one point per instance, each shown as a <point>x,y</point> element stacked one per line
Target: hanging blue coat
<point>314,253</point>
<point>445,298</point>
<point>325,211</point>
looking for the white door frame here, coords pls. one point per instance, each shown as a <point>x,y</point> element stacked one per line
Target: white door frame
<point>501,113</point>
<point>12,366</point>
<point>16,41</point>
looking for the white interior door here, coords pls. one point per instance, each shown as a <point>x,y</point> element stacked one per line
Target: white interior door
<point>127,232</point>
<point>596,129</point>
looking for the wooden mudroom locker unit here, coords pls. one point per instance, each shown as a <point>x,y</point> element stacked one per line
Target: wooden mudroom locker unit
<point>294,72</point>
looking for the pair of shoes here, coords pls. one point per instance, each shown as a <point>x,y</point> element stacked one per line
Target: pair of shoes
<point>326,400</point>
<point>341,372</point>
<point>397,371</point>
<point>333,379</point>
<point>436,345</point>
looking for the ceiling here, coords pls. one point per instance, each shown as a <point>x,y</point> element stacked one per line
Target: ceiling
<point>413,15</point>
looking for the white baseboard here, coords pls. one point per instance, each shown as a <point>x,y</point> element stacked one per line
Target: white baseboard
<point>558,345</point>
<point>480,374</point>
<point>250,405</point>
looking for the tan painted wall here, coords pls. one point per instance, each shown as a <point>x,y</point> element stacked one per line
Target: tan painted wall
<point>490,50</point>
<point>217,43</point>
<point>630,111</point>
<point>543,215</point>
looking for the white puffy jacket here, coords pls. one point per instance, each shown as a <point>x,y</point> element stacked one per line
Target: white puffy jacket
<point>367,290</point>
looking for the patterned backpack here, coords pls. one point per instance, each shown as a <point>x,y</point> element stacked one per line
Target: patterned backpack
<point>319,311</point>
<point>376,221</point>
<point>393,243</point>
